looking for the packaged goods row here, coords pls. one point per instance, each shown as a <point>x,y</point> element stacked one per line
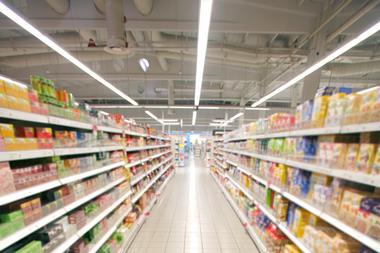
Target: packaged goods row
<point>330,108</point>
<point>19,137</point>
<point>352,152</point>
<point>283,226</point>
<point>83,224</point>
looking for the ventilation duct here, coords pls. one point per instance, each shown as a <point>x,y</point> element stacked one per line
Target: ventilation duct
<point>145,7</point>
<point>354,69</point>
<point>59,6</point>
<point>53,58</point>
<point>116,42</point>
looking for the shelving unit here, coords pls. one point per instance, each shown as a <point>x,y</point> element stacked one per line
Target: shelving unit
<point>165,158</point>
<point>234,152</point>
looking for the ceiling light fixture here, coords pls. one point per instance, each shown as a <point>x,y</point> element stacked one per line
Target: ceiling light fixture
<point>169,120</point>
<point>194,118</point>
<point>154,116</point>
<point>336,53</point>
<point>232,119</point>
<point>171,124</point>
<point>47,41</point>
<point>144,64</point>
<point>203,31</point>
<point>181,123</point>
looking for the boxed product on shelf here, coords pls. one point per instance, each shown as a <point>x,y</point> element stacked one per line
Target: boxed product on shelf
<point>7,182</point>
<point>10,222</point>
<point>32,247</point>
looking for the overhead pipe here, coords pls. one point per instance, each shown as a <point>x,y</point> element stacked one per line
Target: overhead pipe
<point>353,69</point>
<point>145,7</point>
<point>53,58</point>
<point>116,42</point>
<point>363,11</point>
<point>59,6</point>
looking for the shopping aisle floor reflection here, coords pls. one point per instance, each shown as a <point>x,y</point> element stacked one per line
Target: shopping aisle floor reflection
<point>192,216</point>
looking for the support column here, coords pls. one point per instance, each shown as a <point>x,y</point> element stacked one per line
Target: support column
<point>318,49</point>
<point>241,119</point>
<point>171,96</point>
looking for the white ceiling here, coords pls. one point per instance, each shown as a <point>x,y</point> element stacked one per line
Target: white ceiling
<point>250,44</point>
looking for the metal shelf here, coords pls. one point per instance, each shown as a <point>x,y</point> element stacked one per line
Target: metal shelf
<point>243,218</point>
<point>141,192</point>
<point>364,239</point>
<point>20,234</point>
<point>70,241</point>
<point>356,128</point>
<point>137,179</point>
<point>357,177</point>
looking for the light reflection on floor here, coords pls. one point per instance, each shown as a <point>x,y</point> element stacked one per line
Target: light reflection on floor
<point>192,216</point>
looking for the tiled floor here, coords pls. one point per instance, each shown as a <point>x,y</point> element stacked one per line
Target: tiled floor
<point>192,216</point>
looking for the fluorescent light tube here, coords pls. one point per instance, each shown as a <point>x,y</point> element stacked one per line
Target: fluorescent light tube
<point>336,53</point>
<point>151,115</point>
<point>236,116</point>
<point>144,64</point>
<point>194,118</point>
<point>215,124</point>
<point>171,124</point>
<point>169,120</point>
<point>47,41</point>
<point>181,123</point>
<point>219,120</point>
<point>203,31</point>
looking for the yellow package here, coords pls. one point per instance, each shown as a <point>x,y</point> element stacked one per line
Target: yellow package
<point>2,87</point>
<point>7,131</point>
<point>3,101</point>
<point>301,219</point>
<point>339,155</point>
<point>375,115</point>
<point>335,111</point>
<point>23,105</point>
<point>352,112</point>
<point>376,163</point>
<point>319,111</point>
<point>11,89</point>
<point>351,157</point>
<point>290,248</point>
<point>366,157</point>
<point>368,103</point>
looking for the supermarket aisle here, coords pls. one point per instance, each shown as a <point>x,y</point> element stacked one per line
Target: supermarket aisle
<point>193,217</point>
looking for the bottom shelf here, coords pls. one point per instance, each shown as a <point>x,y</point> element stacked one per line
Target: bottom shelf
<point>131,233</point>
<point>243,218</point>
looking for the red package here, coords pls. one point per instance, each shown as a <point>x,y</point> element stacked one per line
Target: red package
<point>44,132</point>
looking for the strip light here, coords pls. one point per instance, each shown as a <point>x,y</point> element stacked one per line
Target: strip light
<point>338,52</point>
<point>194,118</point>
<point>47,41</point>
<point>236,116</point>
<point>203,30</point>
<point>169,120</point>
<point>171,124</point>
<point>154,116</point>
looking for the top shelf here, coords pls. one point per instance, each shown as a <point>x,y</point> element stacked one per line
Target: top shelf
<point>356,128</point>
<point>46,119</point>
